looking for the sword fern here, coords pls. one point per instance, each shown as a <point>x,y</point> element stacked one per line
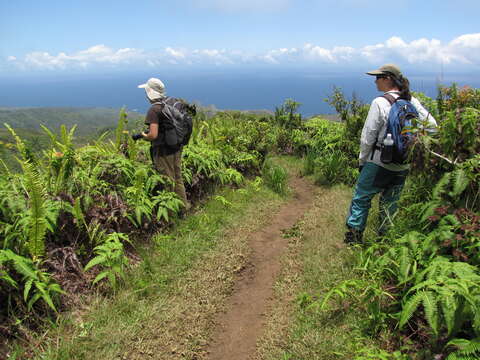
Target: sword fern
<point>37,213</point>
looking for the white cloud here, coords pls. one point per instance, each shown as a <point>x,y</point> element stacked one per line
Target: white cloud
<point>177,54</point>
<point>98,54</point>
<point>466,47</point>
<point>463,50</point>
<point>279,55</point>
<point>468,40</point>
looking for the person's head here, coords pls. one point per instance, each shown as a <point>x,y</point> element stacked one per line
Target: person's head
<point>154,89</point>
<point>389,78</point>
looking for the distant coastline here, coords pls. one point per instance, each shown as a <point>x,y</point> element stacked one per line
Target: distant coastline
<point>242,92</point>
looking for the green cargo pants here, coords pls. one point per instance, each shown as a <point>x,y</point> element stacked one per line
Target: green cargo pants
<point>171,166</point>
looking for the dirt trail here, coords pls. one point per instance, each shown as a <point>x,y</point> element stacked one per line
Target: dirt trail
<point>241,325</point>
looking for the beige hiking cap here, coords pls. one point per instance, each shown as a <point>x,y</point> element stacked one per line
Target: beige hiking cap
<point>154,88</point>
<point>387,69</point>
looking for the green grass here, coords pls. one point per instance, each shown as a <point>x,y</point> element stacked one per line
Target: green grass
<point>110,326</point>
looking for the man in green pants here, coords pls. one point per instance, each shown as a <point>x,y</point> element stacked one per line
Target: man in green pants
<point>167,160</point>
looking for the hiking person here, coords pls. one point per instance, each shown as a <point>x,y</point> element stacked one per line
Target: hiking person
<point>166,156</point>
<point>377,176</point>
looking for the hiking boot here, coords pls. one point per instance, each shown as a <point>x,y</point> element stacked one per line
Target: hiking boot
<point>353,236</point>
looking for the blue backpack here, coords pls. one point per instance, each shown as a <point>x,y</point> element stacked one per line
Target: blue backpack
<point>399,124</point>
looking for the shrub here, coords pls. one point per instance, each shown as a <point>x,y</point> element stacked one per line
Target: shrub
<point>275,176</point>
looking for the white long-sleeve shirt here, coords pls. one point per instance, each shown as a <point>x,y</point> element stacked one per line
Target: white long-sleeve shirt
<point>376,125</point>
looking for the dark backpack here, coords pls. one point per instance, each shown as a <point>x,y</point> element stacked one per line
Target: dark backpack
<point>399,124</point>
<point>178,128</point>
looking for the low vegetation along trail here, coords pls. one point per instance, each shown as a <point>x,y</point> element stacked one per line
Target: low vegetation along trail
<point>240,326</point>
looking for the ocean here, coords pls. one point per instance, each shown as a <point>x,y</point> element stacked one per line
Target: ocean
<point>243,90</point>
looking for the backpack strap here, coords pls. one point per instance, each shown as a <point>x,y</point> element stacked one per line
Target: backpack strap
<point>390,98</point>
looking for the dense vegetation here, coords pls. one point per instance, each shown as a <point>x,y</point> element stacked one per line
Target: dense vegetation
<point>72,217</point>
<point>90,124</point>
<point>419,285</point>
<point>89,121</point>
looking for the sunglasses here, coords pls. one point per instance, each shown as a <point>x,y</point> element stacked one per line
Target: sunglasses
<point>380,77</point>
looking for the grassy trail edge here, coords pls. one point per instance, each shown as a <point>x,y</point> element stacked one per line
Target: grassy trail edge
<point>127,325</point>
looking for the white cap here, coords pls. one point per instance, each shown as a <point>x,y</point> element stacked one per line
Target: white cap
<point>154,88</point>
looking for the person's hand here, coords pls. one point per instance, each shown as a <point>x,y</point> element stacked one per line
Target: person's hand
<point>136,137</point>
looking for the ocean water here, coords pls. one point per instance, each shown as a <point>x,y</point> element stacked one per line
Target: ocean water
<point>243,90</point>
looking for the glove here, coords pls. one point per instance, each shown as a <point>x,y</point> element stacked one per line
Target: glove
<point>136,137</point>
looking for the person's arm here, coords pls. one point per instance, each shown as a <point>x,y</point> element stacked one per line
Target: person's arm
<point>152,120</point>
<point>424,115</point>
<point>370,131</point>
<point>152,132</point>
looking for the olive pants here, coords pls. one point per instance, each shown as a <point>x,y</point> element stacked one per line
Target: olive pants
<point>171,166</point>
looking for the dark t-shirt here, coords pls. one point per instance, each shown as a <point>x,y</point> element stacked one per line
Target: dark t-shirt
<point>156,116</point>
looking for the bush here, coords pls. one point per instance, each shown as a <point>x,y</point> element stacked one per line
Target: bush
<point>275,176</point>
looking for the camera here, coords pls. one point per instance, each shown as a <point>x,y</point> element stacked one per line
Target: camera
<point>137,136</point>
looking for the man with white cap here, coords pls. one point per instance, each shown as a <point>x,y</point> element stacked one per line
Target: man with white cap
<point>166,160</point>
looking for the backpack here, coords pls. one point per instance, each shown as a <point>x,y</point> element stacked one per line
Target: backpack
<point>399,124</point>
<point>179,127</point>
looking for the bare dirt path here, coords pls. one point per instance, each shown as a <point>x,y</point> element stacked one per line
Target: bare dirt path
<point>241,325</point>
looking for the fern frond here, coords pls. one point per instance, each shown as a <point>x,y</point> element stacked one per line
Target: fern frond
<point>22,265</point>
<point>466,349</point>
<point>5,168</point>
<point>77,213</point>
<point>53,137</point>
<point>429,208</point>
<point>122,122</point>
<point>449,308</point>
<point>409,308</point>
<point>441,186</point>
<point>429,302</point>
<point>405,263</point>
<point>460,182</point>
<point>37,222</point>
<point>21,147</point>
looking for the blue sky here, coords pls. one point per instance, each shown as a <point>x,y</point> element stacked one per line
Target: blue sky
<point>78,36</point>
